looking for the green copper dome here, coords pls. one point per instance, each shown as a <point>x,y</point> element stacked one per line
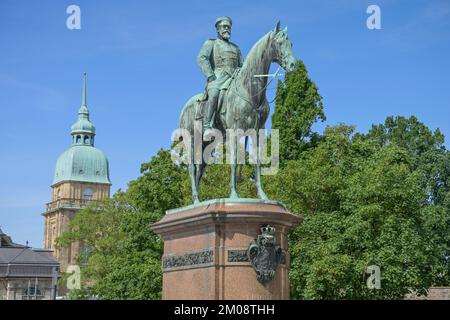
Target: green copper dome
<point>82,162</point>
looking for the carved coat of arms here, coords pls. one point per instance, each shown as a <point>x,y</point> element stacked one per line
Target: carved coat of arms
<point>265,255</point>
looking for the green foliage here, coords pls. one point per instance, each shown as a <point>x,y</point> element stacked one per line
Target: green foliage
<point>123,256</point>
<point>215,183</point>
<point>431,161</point>
<point>381,198</point>
<point>364,204</point>
<point>161,179</point>
<point>298,106</point>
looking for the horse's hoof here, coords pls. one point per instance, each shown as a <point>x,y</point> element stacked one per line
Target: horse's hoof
<point>262,195</point>
<point>234,195</point>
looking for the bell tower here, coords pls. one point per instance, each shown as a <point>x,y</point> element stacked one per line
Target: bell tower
<point>81,176</point>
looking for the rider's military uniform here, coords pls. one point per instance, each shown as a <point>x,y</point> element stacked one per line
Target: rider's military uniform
<point>220,58</point>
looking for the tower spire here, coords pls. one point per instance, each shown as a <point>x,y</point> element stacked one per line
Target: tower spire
<point>83,131</point>
<point>83,101</point>
<point>83,112</point>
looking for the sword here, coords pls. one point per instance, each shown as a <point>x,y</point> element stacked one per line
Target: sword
<point>276,74</point>
<point>268,75</point>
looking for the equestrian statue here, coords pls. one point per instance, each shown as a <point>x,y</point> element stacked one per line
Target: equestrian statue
<point>234,98</point>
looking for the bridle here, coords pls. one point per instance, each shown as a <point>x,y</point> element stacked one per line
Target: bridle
<point>278,59</point>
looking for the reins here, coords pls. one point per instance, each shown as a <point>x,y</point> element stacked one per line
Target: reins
<point>259,92</point>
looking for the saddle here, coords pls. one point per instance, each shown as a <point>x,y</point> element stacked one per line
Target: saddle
<point>201,105</point>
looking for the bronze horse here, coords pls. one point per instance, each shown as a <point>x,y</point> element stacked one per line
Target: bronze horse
<point>244,103</point>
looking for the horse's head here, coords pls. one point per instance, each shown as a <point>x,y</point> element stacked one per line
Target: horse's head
<point>282,48</point>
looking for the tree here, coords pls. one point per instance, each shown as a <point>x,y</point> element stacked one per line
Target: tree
<point>298,106</point>
<point>122,256</point>
<point>364,205</point>
<point>216,182</point>
<point>426,147</point>
<point>380,198</point>
<point>431,161</point>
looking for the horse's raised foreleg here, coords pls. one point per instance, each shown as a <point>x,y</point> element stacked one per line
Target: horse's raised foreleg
<point>261,194</point>
<point>233,145</point>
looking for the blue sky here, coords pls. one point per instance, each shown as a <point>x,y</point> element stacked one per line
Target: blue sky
<point>140,60</point>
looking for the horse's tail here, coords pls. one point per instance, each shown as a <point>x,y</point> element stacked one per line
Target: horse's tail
<point>187,116</point>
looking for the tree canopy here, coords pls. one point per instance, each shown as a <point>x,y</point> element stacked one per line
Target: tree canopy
<point>363,205</point>
<point>377,198</point>
<point>123,260</point>
<point>298,105</point>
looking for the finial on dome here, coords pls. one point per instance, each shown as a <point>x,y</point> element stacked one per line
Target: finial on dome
<point>83,102</point>
<point>83,125</point>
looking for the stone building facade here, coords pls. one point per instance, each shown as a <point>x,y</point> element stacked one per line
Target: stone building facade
<point>81,176</point>
<point>26,273</point>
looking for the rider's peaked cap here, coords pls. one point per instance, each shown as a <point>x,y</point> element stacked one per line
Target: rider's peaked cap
<point>218,20</point>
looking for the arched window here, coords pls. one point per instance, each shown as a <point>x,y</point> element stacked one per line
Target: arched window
<point>78,139</point>
<point>86,139</point>
<point>58,193</point>
<point>87,194</point>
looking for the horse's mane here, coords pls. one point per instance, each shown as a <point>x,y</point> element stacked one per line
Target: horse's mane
<point>251,61</point>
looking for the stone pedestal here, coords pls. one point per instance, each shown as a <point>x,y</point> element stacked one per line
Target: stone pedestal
<point>205,250</point>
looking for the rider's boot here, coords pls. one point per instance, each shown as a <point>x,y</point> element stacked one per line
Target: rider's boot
<point>208,121</point>
<point>213,96</point>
